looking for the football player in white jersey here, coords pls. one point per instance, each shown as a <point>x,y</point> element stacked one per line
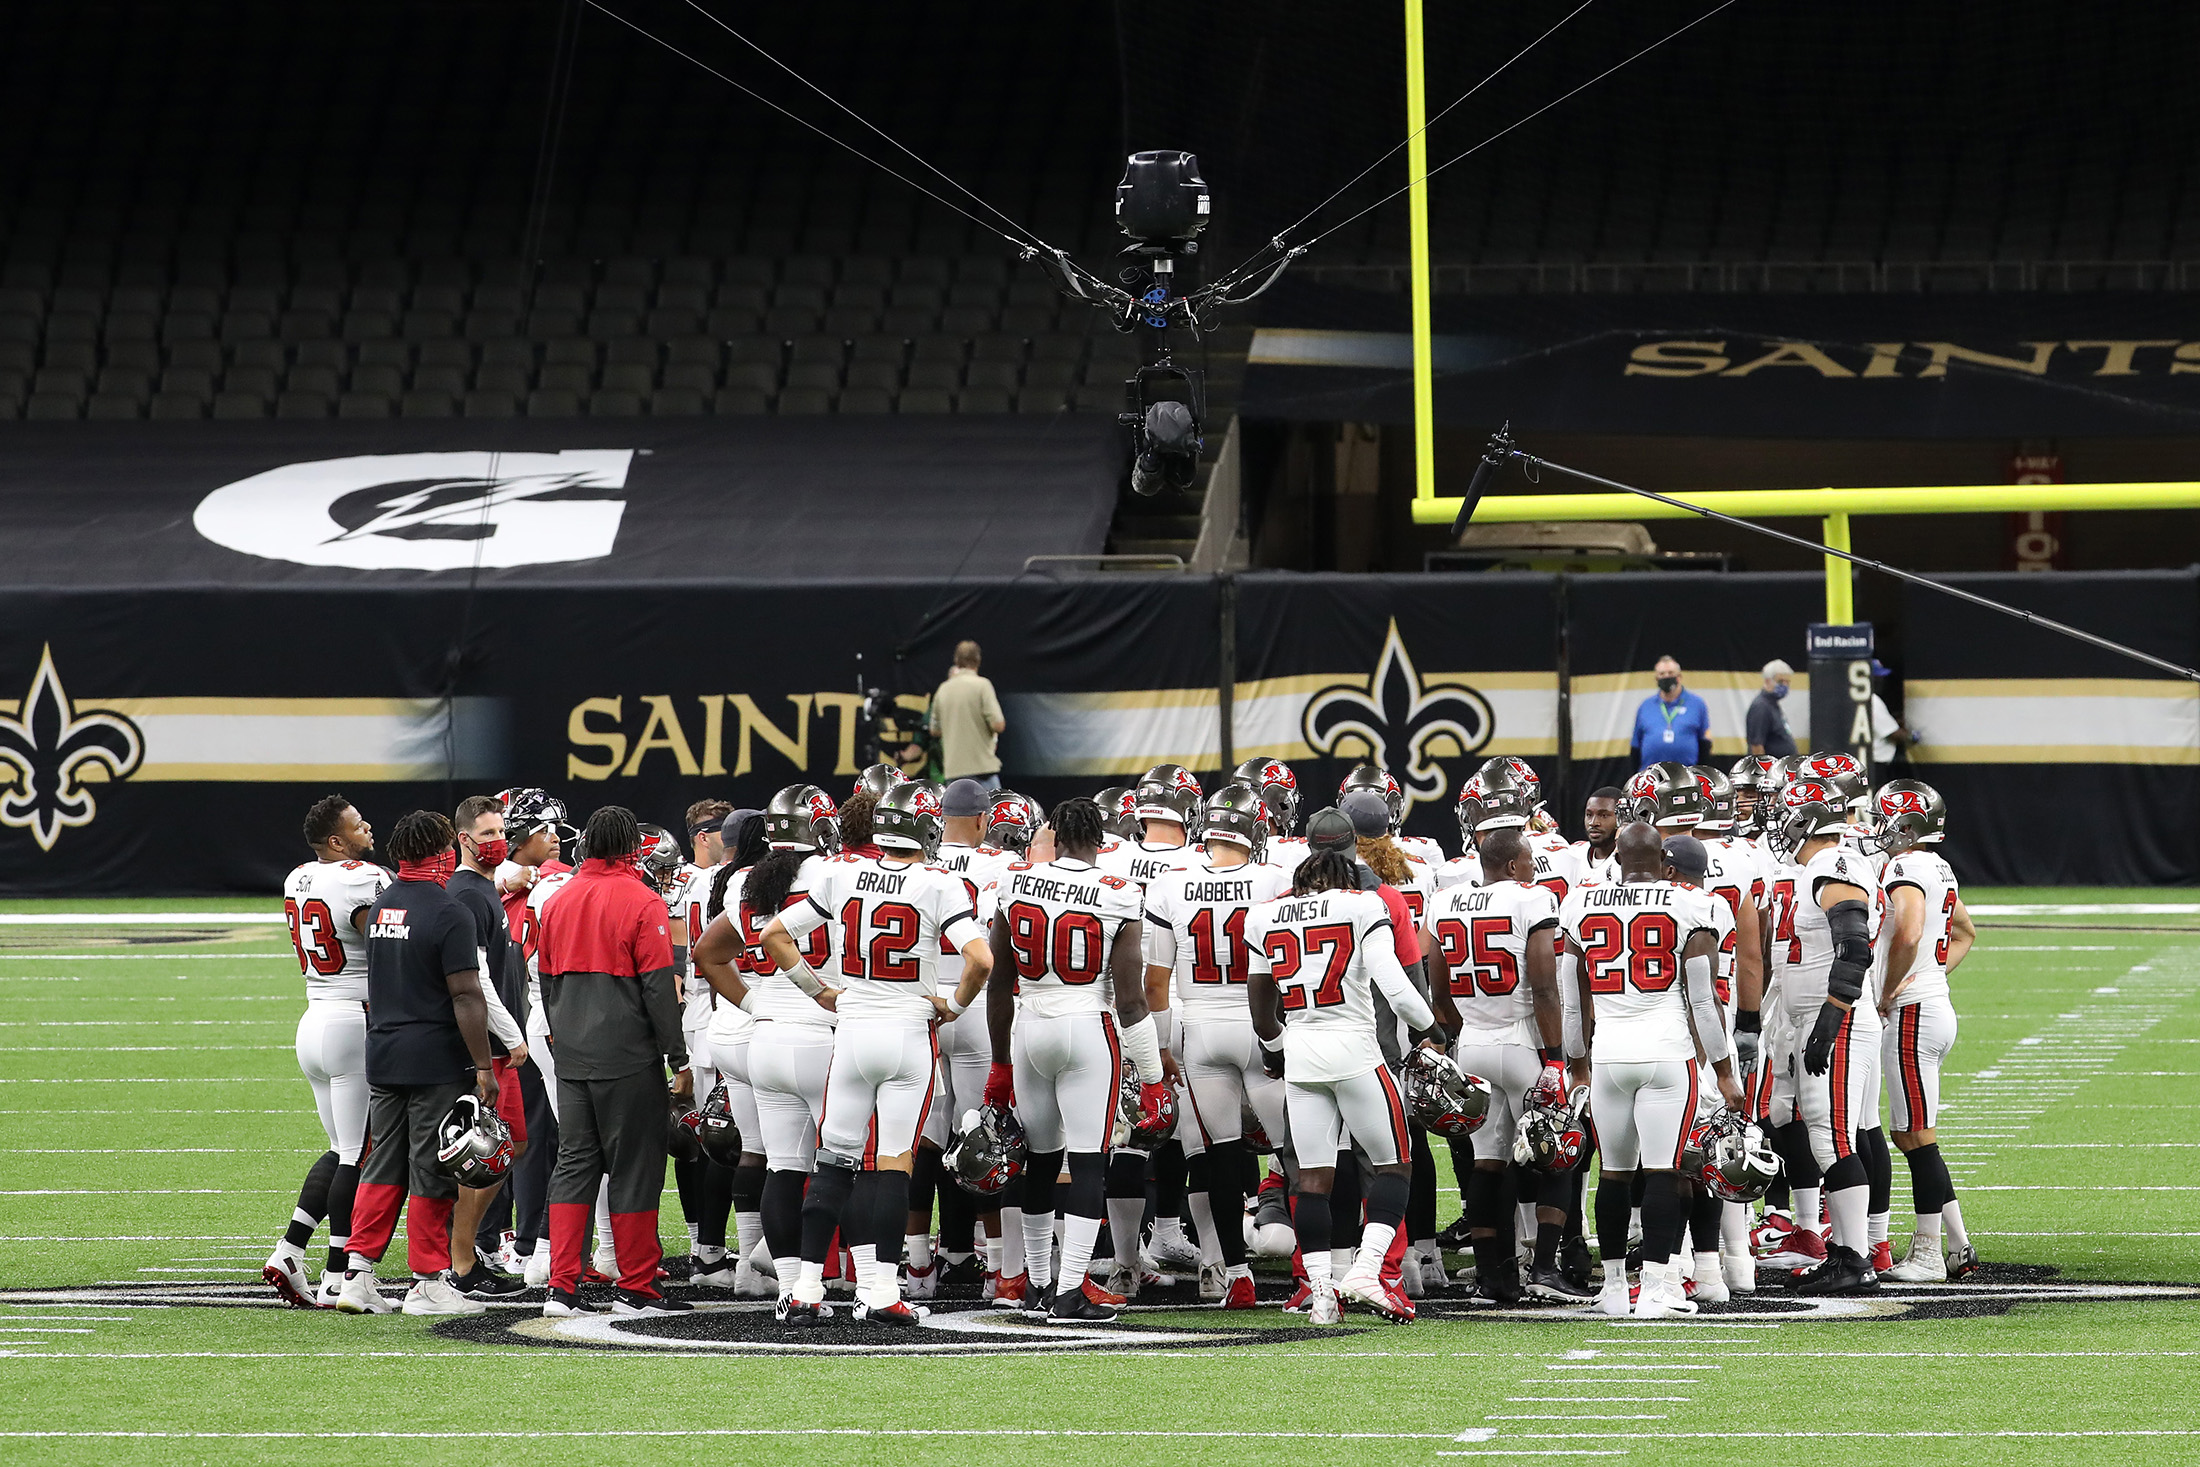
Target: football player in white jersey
<point>1496,961</point>
<point>1464,869</point>
<point>1928,932</point>
<point>1736,872</point>
<point>893,910</point>
<point>1557,869</point>
<point>790,1039</point>
<point>1058,1045</point>
<point>1600,821</point>
<point>966,809</point>
<point>1195,956</point>
<point>1166,806</point>
<point>1277,784</point>
<point>704,1202</point>
<point>1382,782</point>
<point>326,902</point>
<point>1640,955</point>
<point>1822,954</point>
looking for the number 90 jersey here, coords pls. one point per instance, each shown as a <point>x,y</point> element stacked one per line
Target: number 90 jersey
<point>1195,927</point>
<point>319,900</point>
<point>1631,936</point>
<point>892,917</point>
<point>1483,934</point>
<point>1062,919</point>
<point>1327,952</point>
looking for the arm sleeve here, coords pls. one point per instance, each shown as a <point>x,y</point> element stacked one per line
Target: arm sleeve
<point>1850,922</point>
<point>1703,1006</point>
<point>1575,1042</point>
<point>502,1026</point>
<point>1390,978</point>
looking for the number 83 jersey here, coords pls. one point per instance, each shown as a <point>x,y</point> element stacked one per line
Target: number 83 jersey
<point>1631,936</point>
<point>319,900</point>
<point>1063,919</point>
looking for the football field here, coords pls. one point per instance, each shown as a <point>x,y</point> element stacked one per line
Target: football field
<point>154,1127</point>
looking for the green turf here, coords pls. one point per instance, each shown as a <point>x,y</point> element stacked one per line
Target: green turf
<point>150,1090</point>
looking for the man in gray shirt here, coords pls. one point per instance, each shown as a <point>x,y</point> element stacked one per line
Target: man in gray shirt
<point>1767,727</point>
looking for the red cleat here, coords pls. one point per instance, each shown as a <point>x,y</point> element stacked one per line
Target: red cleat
<point>1101,1296</point>
<point>1240,1294</point>
<point>1302,1299</point>
<point>1010,1292</point>
<point>1882,1256</point>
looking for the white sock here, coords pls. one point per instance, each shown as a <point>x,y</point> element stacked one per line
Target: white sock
<point>1806,1207</point>
<point>1038,1233</point>
<point>748,1231</point>
<point>1317,1270</point>
<point>1012,1242</point>
<point>1171,1229</point>
<point>1374,1243</point>
<point>1926,1231</point>
<point>1124,1216</point>
<point>1877,1225</point>
<point>790,1269</point>
<point>1847,1205</point>
<point>809,1288</point>
<point>1734,1227</point>
<point>1340,1262</point>
<point>993,1250</point>
<point>1707,1267</point>
<point>607,1253</point>
<point>1078,1236</point>
<point>1634,1222</point>
<point>1240,1271</point>
<point>865,1258</point>
<point>1952,1215</point>
<point>1203,1219</point>
<point>709,1253</point>
<point>360,1263</point>
<point>695,1232</point>
<point>917,1248</point>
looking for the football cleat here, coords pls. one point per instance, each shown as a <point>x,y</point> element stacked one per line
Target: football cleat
<point>1088,1305</point>
<point>1008,1293</point>
<point>718,1274</point>
<point>961,1278</point>
<point>332,1284</point>
<point>1173,1255</point>
<point>1240,1294</point>
<point>795,1314</point>
<point>1501,1285</point>
<point>359,1295</point>
<point>1660,1297</point>
<point>1925,1265</point>
<point>1709,1285</point>
<point>1740,1271</point>
<point>920,1283</point>
<point>1549,1283</point>
<point>1323,1308</point>
<point>1038,1303</point>
<point>1964,1264</point>
<point>1301,1298</point>
<point>1767,1236</point>
<point>596,1273</point>
<point>1410,1279</point>
<point>1845,1271</point>
<point>1573,1260</point>
<point>287,1273</point>
<point>1368,1290</point>
<point>563,1304</point>
<point>1214,1282</point>
<point>897,1312</point>
<point>1454,1236</point>
<point>646,1304</point>
<point>487,1283</point>
<point>1615,1298</point>
<point>441,1296</point>
<point>991,1289</point>
<point>1882,1257</point>
<point>1123,1281</point>
<point>1801,1248</point>
<point>537,1273</point>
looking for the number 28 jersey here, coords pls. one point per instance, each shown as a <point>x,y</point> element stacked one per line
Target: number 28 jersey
<point>1063,918</point>
<point>319,900</point>
<point>1631,935</point>
<point>892,916</point>
<point>1328,952</point>
<point>1195,927</point>
<point>1483,933</point>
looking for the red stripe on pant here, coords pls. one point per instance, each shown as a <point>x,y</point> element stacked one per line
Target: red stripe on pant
<point>1837,1089</point>
<point>568,1243</point>
<point>634,1236</point>
<point>1402,1138</point>
<point>1115,1081</point>
<point>1688,1118</point>
<point>428,1233</point>
<point>924,1111</point>
<point>374,1218</point>
<point>1913,1067</point>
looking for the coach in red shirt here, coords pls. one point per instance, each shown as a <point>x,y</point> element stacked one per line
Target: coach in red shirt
<point>612,998</point>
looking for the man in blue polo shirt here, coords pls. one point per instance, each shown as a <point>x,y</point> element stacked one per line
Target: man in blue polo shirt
<point>1672,723</point>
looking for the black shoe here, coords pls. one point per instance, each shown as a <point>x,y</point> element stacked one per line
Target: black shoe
<point>797,1315</point>
<point>1039,1303</point>
<point>962,1279</point>
<point>487,1283</point>
<point>640,1303</point>
<point>1843,1272</point>
<point>1962,1263</point>
<point>1454,1238</point>
<point>1079,1307</point>
<point>1498,1284</point>
<point>1550,1283</point>
<point>563,1303</point>
<point>1573,1261</point>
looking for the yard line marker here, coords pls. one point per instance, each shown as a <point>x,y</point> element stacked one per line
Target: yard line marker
<point>140,919</point>
<point>718,1431</point>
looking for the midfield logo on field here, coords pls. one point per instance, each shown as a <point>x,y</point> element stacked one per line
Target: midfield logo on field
<point>48,748</point>
<point>1400,722</point>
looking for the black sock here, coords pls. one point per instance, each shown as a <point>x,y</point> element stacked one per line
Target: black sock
<point>924,1186</point>
<point>1171,1176</point>
<point>1042,1173</point>
<point>1878,1169</point>
<point>1612,1210</point>
<point>1226,1197</point>
<point>710,1192</point>
<point>1546,1244</point>
<point>1792,1141</point>
<point>1421,1205</point>
<point>782,1208</point>
<point>1930,1188</point>
<point>342,1189</point>
<point>830,1187</point>
<point>1345,1196</point>
<point>1310,1220</point>
<point>1704,1216</point>
<point>1462,1166</point>
<point>958,1218</point>
<point>1087,1194</point>
<point>1508,1217</point>
<point>745,1187</point>
<point>1482,1217</point>
<point>889,1215</point>
<point>1387,1194</point>
<point>1664,1214</point>
<point>685,1176</point>
<point>312,1201</point>
<point>1638,1189</point>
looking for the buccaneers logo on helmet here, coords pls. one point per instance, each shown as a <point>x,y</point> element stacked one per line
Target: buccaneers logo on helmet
<point>1902,802</point>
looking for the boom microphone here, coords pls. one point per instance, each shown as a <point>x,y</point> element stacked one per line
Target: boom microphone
<point>1493,458</point>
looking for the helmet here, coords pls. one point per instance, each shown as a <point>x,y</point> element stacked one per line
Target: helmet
<point>1382,782</point>
<point>716,1128</point>
<point>802,817</point>
<point>1844,771</point>
<point>1669,794</point>
<point>473,1146</point>
<point>987,1151</point>
<point>1442,1097</point>
<point>1278,788</point>
<point>1907,813</point>
<point>1730,1157</point>
<point>1128,1115</point>
<point>1784,771</point>
<point>1750,774</point>
<point>1506,803</point>
<point>1808,808</point>
<point>908,819</point>
<point>1171,776</point>
<point>1469,808</point>
<point>529,810</point>
<point>1551,1138</point>
<point>877,780</point>
<point>1118,811</point>
<point>1011,821</point>
<point>684,1130</point>
<point>1169,792</point>
<point>1520,773</point>
<point>660,857</point>
<point>1719,795</point>
<point>1253,1131</point>
<point>1237,813</point>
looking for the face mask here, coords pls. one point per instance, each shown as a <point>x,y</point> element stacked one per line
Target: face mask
<point>1779,691</point>
<point>1668,684</point>
<point>437,869</point>
<point>491,852</point>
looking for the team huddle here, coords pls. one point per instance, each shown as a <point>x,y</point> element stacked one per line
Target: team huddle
<point>932,1043</point>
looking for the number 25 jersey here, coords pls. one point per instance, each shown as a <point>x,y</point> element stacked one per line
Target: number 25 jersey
<point>1063,918</point>
<point>1631,935</point>
<point>1483,933</point>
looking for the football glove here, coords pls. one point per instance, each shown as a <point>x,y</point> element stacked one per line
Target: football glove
<point>1000,1086</point>
<point>1818,1052</point>
<point>1550,1087</point>
<point>1748,1038</point>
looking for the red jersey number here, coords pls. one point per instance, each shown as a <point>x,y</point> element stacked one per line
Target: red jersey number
<point>1213,961</point>
<point>1288,952</point>
<point>1474,963</point>
<point>1069,947</point>
<point>1645,951</point>
<point>313,934</point>
<point>1947,914</point>
<point>1783,930</point>
<point>890,954</point>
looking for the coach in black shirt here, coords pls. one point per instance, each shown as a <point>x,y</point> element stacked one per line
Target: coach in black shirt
<point>483,1213</point>
<point>427,1044</point>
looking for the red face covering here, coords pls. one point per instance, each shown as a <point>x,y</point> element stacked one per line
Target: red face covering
<point>437,868</point>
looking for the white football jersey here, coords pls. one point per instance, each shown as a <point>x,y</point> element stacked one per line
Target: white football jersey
<point>1421,848</point>
<point>1557,869</point>
<point>1483,933</point>
<point>1328,952</point>
<point>777,997</point>
<point>1735,872</point>
<point>1063,918</point>
<point>1195,927</point>
<point>1138,863</point>
<point>1419,889</point>
<point>1936,882</point>
<point>892,917</point>
<point>685,900</point>
<point>1802,939</point>
<point>1631,936</point>
<point>1591,869</point>
<point>1460,871</point>
<point>319,900</point>
<point>980,869</point>
<point>1287,851</point>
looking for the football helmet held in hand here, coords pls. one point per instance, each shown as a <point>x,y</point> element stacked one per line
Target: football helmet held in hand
<point>988,1150</point>
<point>1141,1126</point>
<point>1442,1097</point>
<point>1551,1139</point>
<point>1730,1157</point>
<point>716,1128</point>
<point>473,1145</point>
<point>683,1130</point>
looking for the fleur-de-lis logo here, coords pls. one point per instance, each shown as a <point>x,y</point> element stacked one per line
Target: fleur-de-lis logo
<point>1397,719</point>
<point>47,747</point>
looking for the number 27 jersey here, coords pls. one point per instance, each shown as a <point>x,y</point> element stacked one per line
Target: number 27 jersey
<point>1631,936</point>
<point>1327,953</point>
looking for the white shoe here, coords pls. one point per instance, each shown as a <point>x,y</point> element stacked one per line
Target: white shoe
<point>1926,1264</point>
<point>1274,1240</point>
<point>921,1283</point>
<point>1660,1296</point>
<point>1613,1298</point>
<point>748,1283</point>
<point>287,1272</point>
<point>1409,1276</point>
<point>1123,1281</point>
<point>1214,1283</point>
<point>1710,1280</point>
<point>1323,1308</point>
<point>332,1284</point>
<point>760,1259</point>
<point>1173,1255</point>
<point>718,1275</point>
<point>440,1295</point>
<point>359,1296</point>
<point>535,1269</point>
<point>506,1259</point>
<point>1740,1272</point>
